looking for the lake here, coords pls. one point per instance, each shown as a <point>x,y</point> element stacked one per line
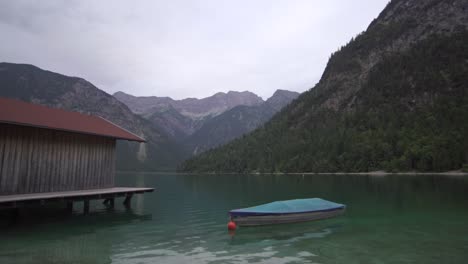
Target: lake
<point>389,219</point>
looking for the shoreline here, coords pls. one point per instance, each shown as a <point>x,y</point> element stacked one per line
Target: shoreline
<point>371,173</point>
<point>384,173</point>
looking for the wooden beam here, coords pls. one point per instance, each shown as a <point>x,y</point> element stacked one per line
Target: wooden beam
<point>74,195</point>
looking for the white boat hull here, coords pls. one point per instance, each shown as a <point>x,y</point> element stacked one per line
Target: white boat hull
<point>257,220</point>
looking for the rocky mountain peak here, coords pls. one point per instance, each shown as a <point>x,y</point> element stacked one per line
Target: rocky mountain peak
<point>398,27</point>
<point>181,118</point>
<point>281,98</point>
<point>190,107</point>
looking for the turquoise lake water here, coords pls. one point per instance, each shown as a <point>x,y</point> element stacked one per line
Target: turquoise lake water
<point>389,219</point>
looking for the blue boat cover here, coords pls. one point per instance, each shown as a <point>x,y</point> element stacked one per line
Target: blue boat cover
<point>288,207</point>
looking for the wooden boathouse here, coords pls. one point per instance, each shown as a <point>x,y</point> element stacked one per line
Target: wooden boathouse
<point>52,154</point>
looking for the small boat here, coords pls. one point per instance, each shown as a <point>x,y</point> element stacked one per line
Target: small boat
<point>290,211</point>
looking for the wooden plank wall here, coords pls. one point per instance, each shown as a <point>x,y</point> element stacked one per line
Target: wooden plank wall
<point>43,160</point>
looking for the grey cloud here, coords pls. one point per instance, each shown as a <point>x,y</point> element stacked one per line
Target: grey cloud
<point>183,48</point>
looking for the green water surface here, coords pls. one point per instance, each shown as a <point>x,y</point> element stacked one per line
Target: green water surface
<point>389,219</point>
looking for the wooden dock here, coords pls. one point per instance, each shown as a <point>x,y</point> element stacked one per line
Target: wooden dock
<point>108,194</point>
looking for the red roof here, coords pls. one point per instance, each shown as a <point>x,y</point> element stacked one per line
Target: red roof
<point>27,114</point>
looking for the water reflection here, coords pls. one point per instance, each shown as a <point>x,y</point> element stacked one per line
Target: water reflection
<point>397,190</point>
<point>285,234</point>
<point>54,237</point>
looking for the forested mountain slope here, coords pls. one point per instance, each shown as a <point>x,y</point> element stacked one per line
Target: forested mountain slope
<point>236,122</point>
<point>394,98</point>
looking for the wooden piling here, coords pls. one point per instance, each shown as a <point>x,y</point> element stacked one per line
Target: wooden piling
<point>70,206</point>
<point>85,207</point>
<point>109,202</point>
<point>128,200</point>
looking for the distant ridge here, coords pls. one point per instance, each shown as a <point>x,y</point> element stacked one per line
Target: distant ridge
<point>190,107</point>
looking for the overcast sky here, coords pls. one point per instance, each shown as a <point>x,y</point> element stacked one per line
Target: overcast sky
<point>183,48</point>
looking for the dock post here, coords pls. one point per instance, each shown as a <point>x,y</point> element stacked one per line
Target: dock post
<point>109,202</point>
<point>128,200</point>
<point>14,215</point>
<point>69,206</point>
<point>85,206</point>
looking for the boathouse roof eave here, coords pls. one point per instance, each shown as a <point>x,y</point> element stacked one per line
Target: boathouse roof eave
<point>72,131</point>
<point>21,113</point>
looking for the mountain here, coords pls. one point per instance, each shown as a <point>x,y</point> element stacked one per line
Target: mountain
<point>32,84</point>
<point>142,105</point>
<point>181,118</point>
<point>280,99</point>
<point>236,122</point>
<point>176,125</point>
<point>190,107</point>
<point>394,98</point>
<point>201,124</point>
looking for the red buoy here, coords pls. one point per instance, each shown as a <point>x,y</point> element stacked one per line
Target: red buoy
<point>232,225</point>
